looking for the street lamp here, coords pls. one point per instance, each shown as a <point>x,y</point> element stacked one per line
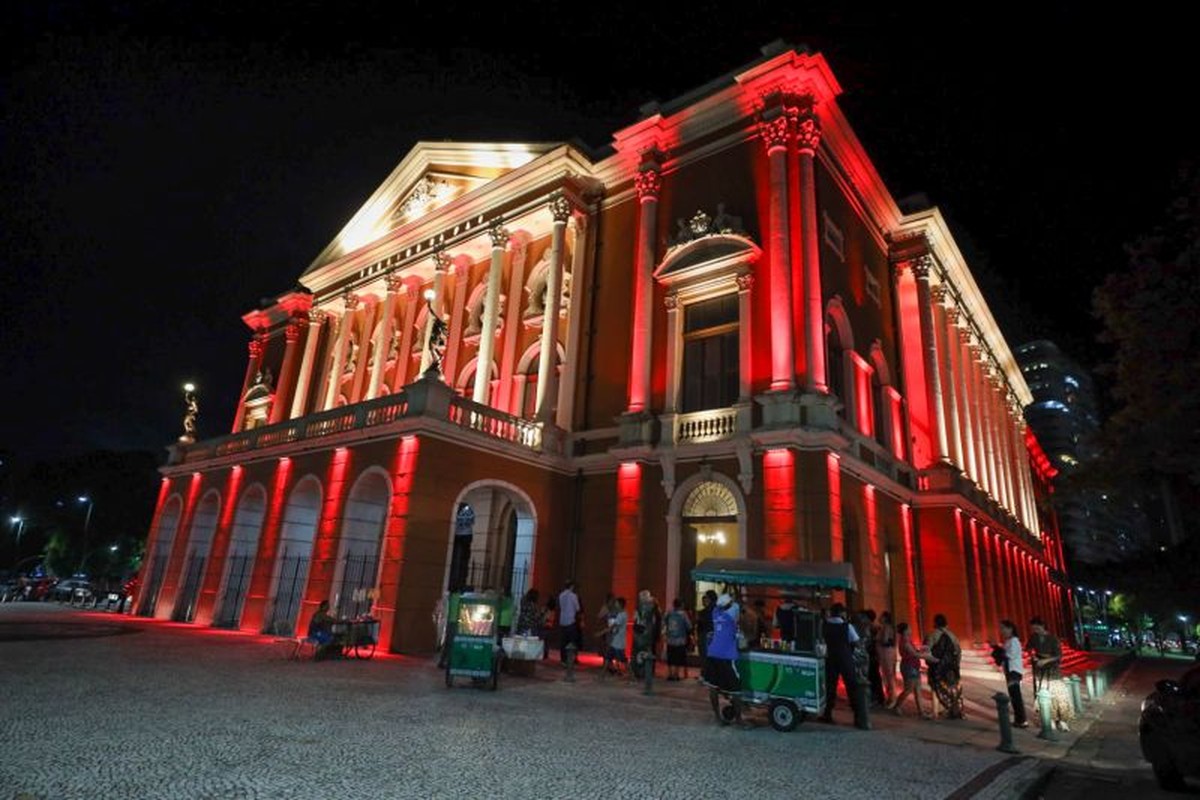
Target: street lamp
<point>87,520</point>
<point>20,523</point>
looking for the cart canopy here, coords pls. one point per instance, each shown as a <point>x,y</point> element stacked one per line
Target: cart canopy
<point>755,572</point>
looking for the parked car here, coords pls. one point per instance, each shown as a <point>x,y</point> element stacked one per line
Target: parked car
<point>70,588</point>
<point>1169,729</point>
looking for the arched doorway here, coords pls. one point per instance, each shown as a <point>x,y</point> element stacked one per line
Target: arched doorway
<point>707,519</point>
<point>290,573</point>
<point>357,570</point>
<point>492,539</point>
<point>239,562</point>
<point>159,554</point>
<point>204,525</point>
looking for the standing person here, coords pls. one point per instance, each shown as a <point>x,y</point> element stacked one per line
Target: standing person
<point>530,616</point>
<point>549,624</point>
<point>885,649</point>
<point>878,699</point>
<point>944,657</point>
<point>1014,670</point>
<point>785,620</point>
<point>840,639</point>
<point>678,627</point>
<point>647,627</point>
<point>568,621</point>
<point>1045,654</point>
<point>704,623</point>
<point>606,611</point>
<point>720,664</point>
<point>910,672</point>
<point>618,633</point>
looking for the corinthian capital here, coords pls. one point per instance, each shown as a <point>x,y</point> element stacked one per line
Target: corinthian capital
<point>316,316</point>
<point>744,282</point>
<point>775,132</point>
<point>921,267</point>
<point>292,332</point>
<point>498,234</point>
<point>441,261</point>
<point>350,299</point>
<point>648,182</point>
<point>560,207</point>
<point>394,282</point>
<point>808,133</point>
<point>256,346</point>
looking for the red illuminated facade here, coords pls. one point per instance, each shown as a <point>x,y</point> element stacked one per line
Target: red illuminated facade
<point>721,336</point>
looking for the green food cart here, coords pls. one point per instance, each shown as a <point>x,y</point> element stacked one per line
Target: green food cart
<point>475,640</point>
<point>789,683</point>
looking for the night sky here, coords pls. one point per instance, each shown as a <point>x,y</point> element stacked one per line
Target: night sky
<point>164,168</point>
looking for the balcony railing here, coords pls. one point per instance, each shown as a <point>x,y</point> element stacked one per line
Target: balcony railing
<point>706,426</point>
<point>423,399</point>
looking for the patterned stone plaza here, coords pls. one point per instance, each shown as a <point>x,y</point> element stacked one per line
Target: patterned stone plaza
<point>99,706</point>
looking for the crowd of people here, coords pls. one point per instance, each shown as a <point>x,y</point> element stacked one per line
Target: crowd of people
<point>861,649</point>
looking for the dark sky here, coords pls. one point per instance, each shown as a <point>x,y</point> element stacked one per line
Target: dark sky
<point>165,166</point>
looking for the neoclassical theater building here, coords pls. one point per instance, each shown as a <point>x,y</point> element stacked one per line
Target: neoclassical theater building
<point>717,336</point>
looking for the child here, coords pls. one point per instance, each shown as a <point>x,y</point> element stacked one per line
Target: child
<point>618,624</point>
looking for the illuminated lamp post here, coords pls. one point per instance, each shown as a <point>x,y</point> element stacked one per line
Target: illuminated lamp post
<point>189,416</point>
<point>87,521</point>
<point>1183,635</point>
<point>19,522</point>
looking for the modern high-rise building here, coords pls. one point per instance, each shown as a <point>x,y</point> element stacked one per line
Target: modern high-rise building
<point>519,364</point>
<point>1097,525</point>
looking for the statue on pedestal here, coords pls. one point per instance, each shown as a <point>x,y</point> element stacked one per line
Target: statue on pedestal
<point>189,417</point>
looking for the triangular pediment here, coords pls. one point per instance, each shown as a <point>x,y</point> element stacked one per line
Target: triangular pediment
<point>431,176</point>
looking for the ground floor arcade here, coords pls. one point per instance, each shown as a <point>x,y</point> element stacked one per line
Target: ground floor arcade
<point>387,525</point>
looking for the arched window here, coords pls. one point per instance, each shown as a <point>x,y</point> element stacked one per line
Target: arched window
<point>835,367</point>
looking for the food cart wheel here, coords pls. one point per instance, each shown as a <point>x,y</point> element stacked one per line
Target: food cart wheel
<point>449,677</point>
<point>784,715</point>
<point>365,649</point>
<point>728,714</point>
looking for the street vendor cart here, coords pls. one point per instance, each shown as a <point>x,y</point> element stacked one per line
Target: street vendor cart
<point>787,677</point>
<point>474,640</point>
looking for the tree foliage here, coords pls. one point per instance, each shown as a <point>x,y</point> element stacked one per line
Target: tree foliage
<point>1151,316</point>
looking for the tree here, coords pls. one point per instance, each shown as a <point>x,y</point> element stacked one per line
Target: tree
<point>1149,314</point>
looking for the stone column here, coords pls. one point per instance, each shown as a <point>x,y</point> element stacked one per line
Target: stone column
<point>383,342</point>
<point>491,301</point>
<point>507,398</point>
<point>745,340</point>
<point>648,183</point>
<point>997,430</point>
<point>316,319</point>
<point>947,343</point>
<point>920,268</point>
<point>674,355</point>
<point>253,365</point>
<point>970,425</point>
<point>566,387</point>
<point>287,373</point>
<point>547,387</point>
<point>339,351</point>
<point>441,263</point>
<point>808,137</point>
<point>982,420</point>
<point>412,301</point>
<point>460,270</point>
<point>776,130</point>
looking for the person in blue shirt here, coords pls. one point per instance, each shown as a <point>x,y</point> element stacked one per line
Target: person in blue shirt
<point>720,663</point>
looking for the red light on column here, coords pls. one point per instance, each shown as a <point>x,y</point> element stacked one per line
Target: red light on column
<point>628,532</point>
<point>779,504</point>
<point>833,471</point>
<point>910,565</point>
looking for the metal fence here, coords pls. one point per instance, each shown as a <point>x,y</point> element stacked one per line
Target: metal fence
<point>185,604</point>
<point>355,593</point>
<point>289,592</point>
<point>236,585</point>
<point>149,596</point>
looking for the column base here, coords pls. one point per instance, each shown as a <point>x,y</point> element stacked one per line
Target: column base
<point>429,396</point>
<point>637,428</point>
<point>821,410</point>
<point>780,408</point>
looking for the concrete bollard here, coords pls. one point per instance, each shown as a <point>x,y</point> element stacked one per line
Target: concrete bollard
<point>1101,683</point>
<point>862,702</point>
<point>1002,704</point>
<point>570,650</point>
<point>1091,686</point>
<point>1043,703</point>
<point>1076,699</point>
<point>648,672</point>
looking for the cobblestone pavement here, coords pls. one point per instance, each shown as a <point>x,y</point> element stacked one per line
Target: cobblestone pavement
<point>98,706</point>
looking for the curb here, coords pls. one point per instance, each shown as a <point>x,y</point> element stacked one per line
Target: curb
<point>1016,777</point>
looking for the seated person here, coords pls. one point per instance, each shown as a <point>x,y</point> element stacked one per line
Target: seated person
<point>320,630</point>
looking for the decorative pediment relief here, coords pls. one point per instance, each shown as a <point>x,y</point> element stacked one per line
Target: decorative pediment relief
<point>707,245</point>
